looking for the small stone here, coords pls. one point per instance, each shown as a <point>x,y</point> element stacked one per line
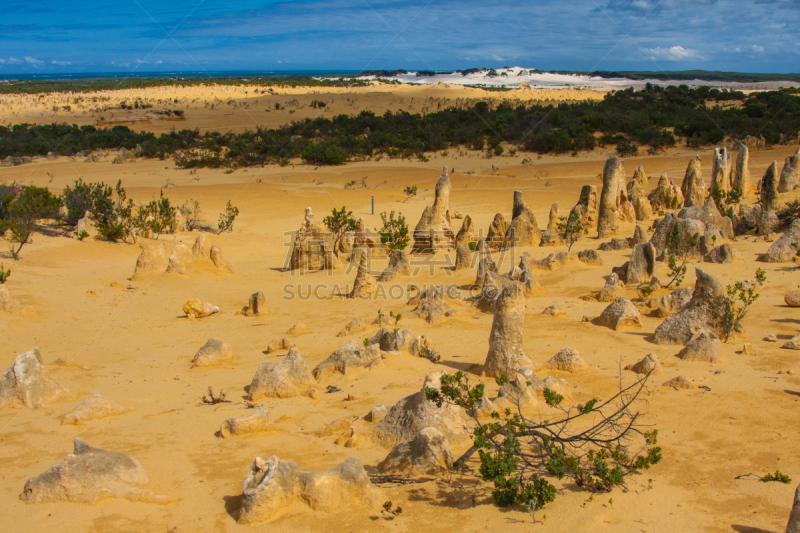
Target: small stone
<point>352,397</point>
<point>747,349</point>
<point>555,310</point>
<point>771,338</point>
<point>792,299</point>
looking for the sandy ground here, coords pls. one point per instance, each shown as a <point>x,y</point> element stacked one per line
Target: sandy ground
<point>134,346</point>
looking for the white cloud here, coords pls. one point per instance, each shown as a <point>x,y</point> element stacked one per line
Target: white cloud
<point>675,53</point>
<point>496,57</point>
<point>33,61</point>
<point>756,48</point>
<point>62,63</point>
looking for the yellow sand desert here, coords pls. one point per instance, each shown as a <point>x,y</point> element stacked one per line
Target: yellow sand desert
<point>100,331</point>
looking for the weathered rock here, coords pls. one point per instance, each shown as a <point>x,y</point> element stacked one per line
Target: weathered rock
<point>554,310</point>
<point>681,382</point>
<point>552,220</point>
<point>200,248</point>
<point>794,518</point>
<point>517,394</point>
<point>256,305</point>
<point>612,289</point>
<point>219,262</point>
<point>346,358</point>
<point>741,180</point>
<point>485,266</point>
<point>769,187</point>
<point>496,234</point>
<point>505,354</point>
<point>639,237</point>
<point>620,315</point>
<point>568,360</point>
<point>790,174</point>
<point>553,261</point>
<point>637,187</point>
<point>768,222</point>
<point>214,352</point>
<point>642,264</point>
<point>523,229</point>
<point>642,208</point>
<point>586,208</point>
<point>792,299</point>
<point>284,379</point>
<point>723,254</point>
<point>537,386</point>
<point>709,215</point>
<point>94,407</point>
<point>650,364</point>
<point>150,261</point>
<point>672,303</point>
<point>364,285</point>
<point>376,414</point>
<point>721,170</point>
<point>793,343</point>
<point>9,305</point>
<point>273,485</point>
<point>354,326</point>
<point>398,266</point>
<point>90,474</point>
<point>552,238</point>
<point>279,344</point>
<point>413,413</point>
<point>615,244</point>
<point>693,187</point>
<point>590,257</point>
<point>312,245</point>
<point>466,234</point>
<point>124,155</point>
<point>28,381</point>
<point>258,422</point>
<point>702,346</point>
<point>197,309</point>
<point>783,250</point>
<point>177,259</point>
<point>666,195</point>
<point>87,224</point>
<point>429,454</point>
<point>688,230</point>
<point>706,310</point>
<point>608,212</point>
<point>463,257</point>
<point>433,231</point>
<point>300,327</point>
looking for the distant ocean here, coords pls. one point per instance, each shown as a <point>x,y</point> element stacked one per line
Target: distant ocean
<point>182,74</point>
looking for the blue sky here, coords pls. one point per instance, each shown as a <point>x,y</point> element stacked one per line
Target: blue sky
<point>199,35</point>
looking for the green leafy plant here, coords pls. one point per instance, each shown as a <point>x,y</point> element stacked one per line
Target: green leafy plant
<point>645,291</point>
<point>365,342</point>
<point>4,274</point>
<point>339,223</point>
<point>115,220</point>
<point>726,200</point>
<point>83,197</point>
<point>676,261</point>
<point>572,226</point>
<point>596,445</point>
<point>380,318</point>
<point>387,508</point>
<point>473,245</point>
<point>777,476</point>
<point>394,233</point>
<point>158,216</point>
<point>396,318</point>
<point>226,218</point>
<point>410,191</point>
<point>190,211</point>
<point>30,205</point>
<point>83,234</point>
<point>738,299</point>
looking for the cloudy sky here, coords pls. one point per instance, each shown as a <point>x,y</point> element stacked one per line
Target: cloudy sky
<point>206,35</point>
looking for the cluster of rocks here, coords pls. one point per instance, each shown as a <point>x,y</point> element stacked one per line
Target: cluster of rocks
<point>153,261</point>
<point>433,231</point>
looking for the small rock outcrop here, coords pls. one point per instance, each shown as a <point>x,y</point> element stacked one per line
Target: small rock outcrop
<point>433,231</point>
<point>568,360</point>
<point>641,266</point>
<point>347,358</point>
<point>649,364</point>
<point>505,340</point>
<point>637,187</point>
<point>723,253</point>
<point>284,379</point>
<point>612,289</point>
<point>466,234</point>
<point>622,314</point>
<point>88,475</point>
<point>197,309</point>
<point>398,266</point>
<point>429,454</point>
<point>312,245</point>
<point>214,352</point>
<point>706,310</point>
<point>783,250</point>
<point>258,422</point>
<point>681,382</point>
<point>609,208</point>
<point>27,381</point>
<point>693,187</point>
<point>769,187</point>
<point>586,208</point>
<point>354,326</point>
<point>364,285</point>
<point>672,303</point>
<point>278,344</point>
<point>523,229</point>
<point>741,179</point>
<point>273,485</point>
<point>702,346</point>
<point>256,305</point>
<point>666,195</point>
<point>790,173</point>
<point>463,257</point>
<point>721,170</point>
<point>150,262</point>
<point>94,407</point>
